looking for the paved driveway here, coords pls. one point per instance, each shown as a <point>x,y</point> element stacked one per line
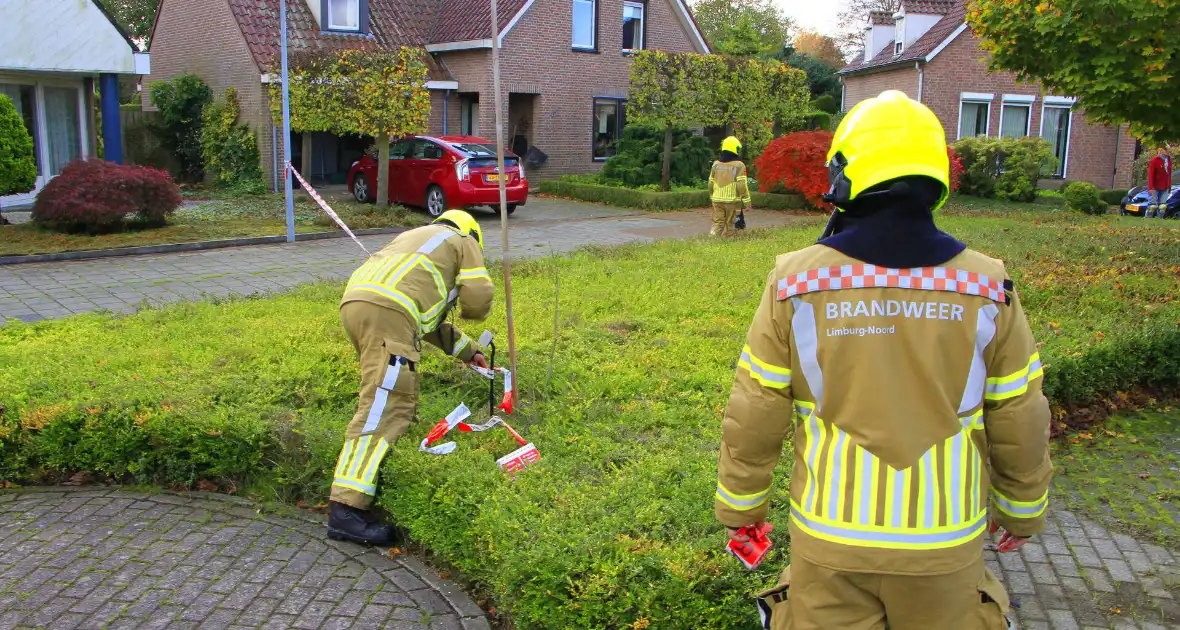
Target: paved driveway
<point>40,291</point>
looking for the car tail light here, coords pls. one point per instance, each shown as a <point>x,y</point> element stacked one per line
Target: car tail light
<point>520,167</point>
<point>463,171</point>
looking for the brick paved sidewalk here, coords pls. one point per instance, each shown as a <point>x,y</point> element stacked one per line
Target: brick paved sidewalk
<point>108,558</point>
<point>34,292</point>
<point>1078,573</point>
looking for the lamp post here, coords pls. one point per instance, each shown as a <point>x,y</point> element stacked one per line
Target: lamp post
<point>288,195</point>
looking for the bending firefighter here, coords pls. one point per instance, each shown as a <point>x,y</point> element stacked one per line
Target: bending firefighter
<point>398,298</point>
<point>905,369</point>
<point>728,188</point>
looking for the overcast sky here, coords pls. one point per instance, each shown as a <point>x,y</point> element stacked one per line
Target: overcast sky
<point>814,15</point>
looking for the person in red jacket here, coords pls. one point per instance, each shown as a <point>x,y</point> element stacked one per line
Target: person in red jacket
<point>1159,183</point>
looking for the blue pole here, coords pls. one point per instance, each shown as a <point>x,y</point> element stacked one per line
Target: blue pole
<point>112,135</point>
<point>289,195</point>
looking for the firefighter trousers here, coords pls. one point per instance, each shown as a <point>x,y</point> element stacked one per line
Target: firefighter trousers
<point>812,597</point>
<point>386,342</point>
<point>723,217</point>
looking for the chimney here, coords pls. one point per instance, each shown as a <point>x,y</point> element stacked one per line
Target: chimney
<point>879,33</point>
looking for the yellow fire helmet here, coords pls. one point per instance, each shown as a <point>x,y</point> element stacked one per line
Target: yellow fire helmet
<point>886,138</point>
<point>731,144</point>
<point>464,222</point>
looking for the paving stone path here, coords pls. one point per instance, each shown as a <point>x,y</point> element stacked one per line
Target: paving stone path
<point>109,558</point>
<point>1080,575</point>
<point>33,292</point>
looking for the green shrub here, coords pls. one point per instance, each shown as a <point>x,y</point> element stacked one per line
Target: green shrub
<point>639,159</point>
<point>826,103</point>
<point>229,149</point>
<point>1084,197</point>
<point>819,121</point>
<point>1050,198</point>
<point>1008,168</point>
<point>18,171</point>
<point>181,102</point>
<point>1113,197</point>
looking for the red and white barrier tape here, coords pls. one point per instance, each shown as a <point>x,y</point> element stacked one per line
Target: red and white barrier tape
<point>325,207</point>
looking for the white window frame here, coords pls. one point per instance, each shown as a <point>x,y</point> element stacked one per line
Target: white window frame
<point>1011,102</point>
<point>593,26</point>
<point>975,99</point>
<point>1056,103</point>
<point>42,131</point>
<point>334,27</point>
<point>642,24</point>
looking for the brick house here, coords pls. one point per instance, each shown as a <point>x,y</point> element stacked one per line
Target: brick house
<point>564,66</point>
<point>928,51</point>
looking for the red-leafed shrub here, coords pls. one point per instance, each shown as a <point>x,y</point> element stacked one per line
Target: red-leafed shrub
<point>94,195</point>
<point>956,168</point>
<point>796,163</point>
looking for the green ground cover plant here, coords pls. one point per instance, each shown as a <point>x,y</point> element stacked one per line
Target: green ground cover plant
<point>614,527</point>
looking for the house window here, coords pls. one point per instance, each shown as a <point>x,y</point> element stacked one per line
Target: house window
<point>343,15</point>
<point>25,100</point>
<point>608,126</point>
<point>897,48</point>
<point>973,119</point>
<point>469,112</point>
<point>1055,125</point>
<point>1014,120</point>
<point>632,26</point>
<point>585,24</point>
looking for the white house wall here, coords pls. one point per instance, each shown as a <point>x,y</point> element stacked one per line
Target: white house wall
<point>916,25</point>
<point>61,36</point>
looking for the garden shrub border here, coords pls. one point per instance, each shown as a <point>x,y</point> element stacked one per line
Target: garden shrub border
<point>659,201</point>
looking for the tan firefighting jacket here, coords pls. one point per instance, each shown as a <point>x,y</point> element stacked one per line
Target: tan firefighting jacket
<point>914,397</point>
<point>728,183</point>
<point>423,273</point>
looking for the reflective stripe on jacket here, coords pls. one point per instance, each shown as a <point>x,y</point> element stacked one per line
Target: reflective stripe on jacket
<point>728,183</point>
<point>896,384</point>
<point>423,273</point>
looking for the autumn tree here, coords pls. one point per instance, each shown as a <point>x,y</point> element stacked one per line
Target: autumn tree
<point>854,16</point>
<point>1119,58</point>
<point>820,47</point>
<point>669,90</point>
<point>743,28</point>
<point>137,17</point>
<point>380,93</point>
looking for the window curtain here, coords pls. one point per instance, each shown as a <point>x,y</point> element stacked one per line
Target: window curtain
<point>24,98</point>
<point>344,14</point>
<point>62,122</point>
<point>1057,133</point>
<point>1015,123</point>
<point>974,121</point>
<point>632,27</point>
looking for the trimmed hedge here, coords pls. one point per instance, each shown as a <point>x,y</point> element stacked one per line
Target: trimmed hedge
<point>658,201</point>
<point>1113,197</point>
<point>614,528</point>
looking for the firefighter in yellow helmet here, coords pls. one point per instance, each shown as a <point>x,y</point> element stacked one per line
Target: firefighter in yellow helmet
<point>903,366</point>
<point>728,187</point>
<point>398,298</point>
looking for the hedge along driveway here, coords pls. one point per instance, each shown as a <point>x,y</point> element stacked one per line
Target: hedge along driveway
<point>614,527</point>
<point>660,201</point>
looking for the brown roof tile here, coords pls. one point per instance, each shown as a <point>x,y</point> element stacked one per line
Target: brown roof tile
<point>881,18</point>
<point>920,48</point>
<point>930,7</point>
<point>393,23</point>
<point>463,20</point>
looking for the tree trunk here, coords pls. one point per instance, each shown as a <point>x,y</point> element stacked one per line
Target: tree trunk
<point>305,163</point>
<point>666,176</point>
<point>382,198</point>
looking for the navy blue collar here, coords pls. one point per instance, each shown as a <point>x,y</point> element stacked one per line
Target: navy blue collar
<point>895,237</point>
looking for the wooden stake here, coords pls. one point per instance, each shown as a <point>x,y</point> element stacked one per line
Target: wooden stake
<point>503,202</point>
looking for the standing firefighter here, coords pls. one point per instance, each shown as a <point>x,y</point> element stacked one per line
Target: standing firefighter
<point>396,299</point>
<point>904,366</point>
<point>728,187</point>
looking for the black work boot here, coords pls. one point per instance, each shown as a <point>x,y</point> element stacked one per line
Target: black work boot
<point>348,523</point>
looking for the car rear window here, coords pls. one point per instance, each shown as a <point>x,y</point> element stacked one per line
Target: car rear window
<point>476,150</point>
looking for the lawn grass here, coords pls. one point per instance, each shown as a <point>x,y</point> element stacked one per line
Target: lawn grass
<point>215,219</point>
<point>614,527</point>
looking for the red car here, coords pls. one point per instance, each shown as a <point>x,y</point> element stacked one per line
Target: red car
<point>440,174</point>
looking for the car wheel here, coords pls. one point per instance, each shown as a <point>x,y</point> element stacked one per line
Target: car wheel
<point>360,189</point>
<point>436,201</point>
<point>511,208</point>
